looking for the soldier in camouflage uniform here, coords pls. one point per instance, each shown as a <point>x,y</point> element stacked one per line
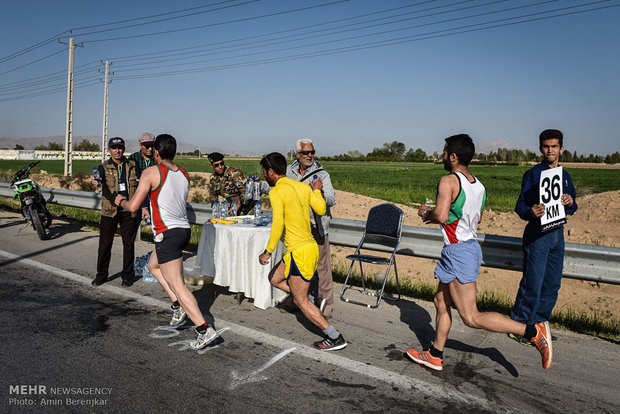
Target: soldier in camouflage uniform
<point>226,182</point>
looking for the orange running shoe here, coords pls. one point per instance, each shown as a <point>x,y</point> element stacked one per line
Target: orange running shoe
<point>542,342</point>
<point>425,358</point>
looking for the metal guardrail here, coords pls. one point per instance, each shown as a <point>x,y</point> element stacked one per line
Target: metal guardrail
<point>581,261</point>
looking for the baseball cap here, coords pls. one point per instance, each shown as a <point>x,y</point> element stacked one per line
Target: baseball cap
<point>145,138</point>
<point>215,157</point>
<point>116,142</point>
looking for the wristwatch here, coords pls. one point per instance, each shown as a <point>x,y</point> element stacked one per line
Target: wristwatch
<point>266,252</point>
<point>424,212</point>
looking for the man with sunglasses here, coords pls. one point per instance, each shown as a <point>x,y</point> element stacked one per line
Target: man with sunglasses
<point>304,169</point>
<point>144,159</point>
<point>227,182</point>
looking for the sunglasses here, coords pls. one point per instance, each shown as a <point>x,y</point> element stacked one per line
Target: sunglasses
<point>312,152</point>
<point>147,146</point>
<point>218,164</point>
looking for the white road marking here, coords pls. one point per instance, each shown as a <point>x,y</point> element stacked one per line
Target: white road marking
<point>254,375</point>
<point>443,391</point>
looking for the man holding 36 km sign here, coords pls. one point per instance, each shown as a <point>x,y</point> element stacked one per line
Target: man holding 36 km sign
<point>547,196</point>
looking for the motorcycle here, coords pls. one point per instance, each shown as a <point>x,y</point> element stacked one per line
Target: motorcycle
<point>33,203</point>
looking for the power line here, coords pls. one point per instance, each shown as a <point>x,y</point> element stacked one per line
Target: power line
<point>30,48</point>
<point>168,18</point>
<point>151,16</point>
<point>61,89</point>
<point>33,62</point>
<point>133,57</point>
<point>215,24</point>
<point>388,42</point>
<point>231,48</point>
<point>47,77</point>
<point>120,67</point>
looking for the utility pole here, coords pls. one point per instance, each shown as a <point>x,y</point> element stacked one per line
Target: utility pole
<point>69,130</point>
<point>104,135</point>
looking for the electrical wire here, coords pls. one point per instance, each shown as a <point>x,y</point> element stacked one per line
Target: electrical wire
<point>150,66</point>
<point>214,24</point>
<point>383,43</point>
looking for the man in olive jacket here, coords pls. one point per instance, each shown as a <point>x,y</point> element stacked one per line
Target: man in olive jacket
<point>117,176</point>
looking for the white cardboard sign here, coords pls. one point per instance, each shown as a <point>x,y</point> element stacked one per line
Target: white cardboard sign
<point>550,188</point>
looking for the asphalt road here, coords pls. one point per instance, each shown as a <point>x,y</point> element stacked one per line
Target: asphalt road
<point>70,347</point>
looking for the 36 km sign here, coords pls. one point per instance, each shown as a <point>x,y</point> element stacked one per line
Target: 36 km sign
<point>551,196</point>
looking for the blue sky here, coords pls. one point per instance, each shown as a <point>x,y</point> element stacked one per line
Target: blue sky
<point>506,82</point>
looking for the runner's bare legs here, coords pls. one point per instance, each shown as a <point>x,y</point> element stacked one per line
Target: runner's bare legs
<point>463,296</point>
<point>172,273</point>
<point>298,287</point>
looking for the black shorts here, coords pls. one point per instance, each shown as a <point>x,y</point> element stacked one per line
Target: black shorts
<point>172,244</point>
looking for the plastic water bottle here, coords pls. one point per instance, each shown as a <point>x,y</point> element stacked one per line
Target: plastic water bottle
<point>215,209</point>
<point>256,189</point>
<point>147,221</point>
<point>224,209</point>
<point>257,214</point>
<point>147,276</point>
<point>249,187</point>
<point>233,208</point>
<point>97,177</point>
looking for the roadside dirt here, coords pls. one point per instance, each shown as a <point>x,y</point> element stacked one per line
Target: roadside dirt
<point>596,222</point>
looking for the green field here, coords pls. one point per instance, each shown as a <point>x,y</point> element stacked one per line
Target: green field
<point>389,180</point>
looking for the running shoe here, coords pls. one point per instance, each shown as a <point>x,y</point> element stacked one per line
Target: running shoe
<point>178,316</point>
<point>425,358</point>
<point>203,339</point>
<point>542,342</point>
<point>523,341</point>
<point>328,344</point>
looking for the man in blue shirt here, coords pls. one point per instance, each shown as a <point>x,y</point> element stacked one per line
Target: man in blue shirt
<point>543,251</point>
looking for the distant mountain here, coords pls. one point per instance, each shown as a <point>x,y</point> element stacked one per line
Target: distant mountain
<point>131,144</point>
<point>487,146</point>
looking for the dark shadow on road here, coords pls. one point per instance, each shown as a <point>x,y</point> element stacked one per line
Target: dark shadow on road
<point>417,318</point>
<point>492,353</point>
<point>419,321</point>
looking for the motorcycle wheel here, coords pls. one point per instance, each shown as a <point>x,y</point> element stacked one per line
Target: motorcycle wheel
<point>36,222</point>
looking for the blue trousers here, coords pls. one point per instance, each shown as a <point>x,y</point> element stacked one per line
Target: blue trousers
<point>543,261</point>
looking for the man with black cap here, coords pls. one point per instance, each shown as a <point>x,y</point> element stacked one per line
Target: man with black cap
<point>226,181</point>
<point>118,176</point>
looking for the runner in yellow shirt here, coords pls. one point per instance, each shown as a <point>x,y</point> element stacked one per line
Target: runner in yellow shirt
<point>290,201</point>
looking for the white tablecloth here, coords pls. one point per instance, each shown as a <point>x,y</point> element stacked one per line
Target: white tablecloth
<point>229,254</point>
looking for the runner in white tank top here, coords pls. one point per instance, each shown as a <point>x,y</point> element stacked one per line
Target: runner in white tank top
<point>168,200</point>
<point>465,211</point>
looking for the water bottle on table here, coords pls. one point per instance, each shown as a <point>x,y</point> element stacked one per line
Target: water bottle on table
<point>256,189</point>
<point>233,208</point>
<point>257,214</point>
<point>215,209</point>
<point>224,209</point>
<point>97,177</point>
<point>249,187</point>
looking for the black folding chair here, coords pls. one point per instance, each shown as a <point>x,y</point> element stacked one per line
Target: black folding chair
<point>383,229</point>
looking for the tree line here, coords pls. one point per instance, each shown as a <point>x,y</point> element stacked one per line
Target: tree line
<point>397,151</point>
<point>85,145</point>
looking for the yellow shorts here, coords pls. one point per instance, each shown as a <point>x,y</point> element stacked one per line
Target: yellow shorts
<point>302,261</point>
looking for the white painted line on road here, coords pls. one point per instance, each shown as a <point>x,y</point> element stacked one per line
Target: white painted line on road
<point>437,391</point>
<point>255,376</point>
